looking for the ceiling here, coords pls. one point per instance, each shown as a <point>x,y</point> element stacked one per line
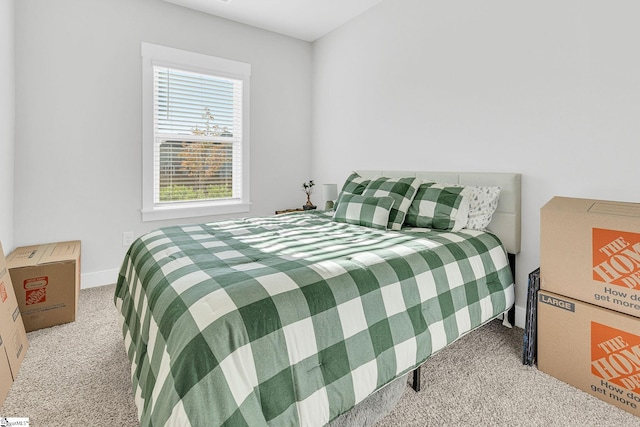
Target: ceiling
<point>303,19</point>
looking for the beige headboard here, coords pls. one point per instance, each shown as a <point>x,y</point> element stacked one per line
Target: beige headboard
<point>505,222</point>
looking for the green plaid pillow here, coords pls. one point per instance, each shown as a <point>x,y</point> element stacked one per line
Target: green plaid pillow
<point>439,206</point>
<point>403,190</point>
<point>355,184</point>
<point>361,210</point>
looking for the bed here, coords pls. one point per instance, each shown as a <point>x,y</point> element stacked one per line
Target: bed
<point>296,319</point>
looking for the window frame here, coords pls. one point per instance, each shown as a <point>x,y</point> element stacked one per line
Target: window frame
<point>196,62</point>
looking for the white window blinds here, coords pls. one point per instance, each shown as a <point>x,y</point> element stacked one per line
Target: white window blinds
<point>197,136</point>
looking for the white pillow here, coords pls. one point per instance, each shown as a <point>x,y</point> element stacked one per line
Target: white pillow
<point>483,202</point>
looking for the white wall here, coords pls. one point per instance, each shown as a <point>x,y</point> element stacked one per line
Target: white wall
<point>549,89</point>
<point>7,126</point>
<point>78,117</point>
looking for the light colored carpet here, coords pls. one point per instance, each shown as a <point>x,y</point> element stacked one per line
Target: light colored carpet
<point>78,374</point>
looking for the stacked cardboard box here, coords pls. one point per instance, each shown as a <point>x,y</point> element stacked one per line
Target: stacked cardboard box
<point>13,337</point>
<point>46,280</point>
<point>589,302</point>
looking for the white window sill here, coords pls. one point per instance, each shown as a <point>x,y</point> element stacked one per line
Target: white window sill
<point>159,213</point>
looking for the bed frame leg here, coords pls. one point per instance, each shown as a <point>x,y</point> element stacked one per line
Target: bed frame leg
<point>511,314</point>
<point>416,379</point>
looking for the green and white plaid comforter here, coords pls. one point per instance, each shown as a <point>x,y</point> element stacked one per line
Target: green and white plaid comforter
<point>293,319</point>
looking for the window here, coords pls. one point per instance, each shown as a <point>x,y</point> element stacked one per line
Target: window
<point>195,158</point>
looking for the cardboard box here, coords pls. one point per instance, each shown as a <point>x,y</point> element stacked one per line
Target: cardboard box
<point>46,279</point>
<point>13,337</point>
<point>12,330</point>
<point>592,348</point>
<point>6,378</point>
<point>590,251</point>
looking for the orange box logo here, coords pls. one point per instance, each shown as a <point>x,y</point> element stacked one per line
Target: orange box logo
<point>616,257</point>
<point>3,292</point>
<point>615,356</point>
<point>35,296</point>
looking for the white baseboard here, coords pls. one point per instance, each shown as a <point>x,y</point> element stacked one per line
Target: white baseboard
<point>99,278</point>
<point>521,316</point>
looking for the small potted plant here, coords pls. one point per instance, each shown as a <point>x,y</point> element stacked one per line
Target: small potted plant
<point>307,187</point>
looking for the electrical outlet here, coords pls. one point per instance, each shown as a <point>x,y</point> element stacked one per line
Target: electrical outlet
<point>127,238</point>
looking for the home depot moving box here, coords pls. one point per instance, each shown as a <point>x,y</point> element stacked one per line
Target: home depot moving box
<point>6,379</point>
<point>590,250</point>
<point>13,337</point>
<point>592,348</point>
<point>46,279</point>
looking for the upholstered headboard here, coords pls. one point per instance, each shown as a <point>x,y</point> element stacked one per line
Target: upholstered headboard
<point>505,222</point>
